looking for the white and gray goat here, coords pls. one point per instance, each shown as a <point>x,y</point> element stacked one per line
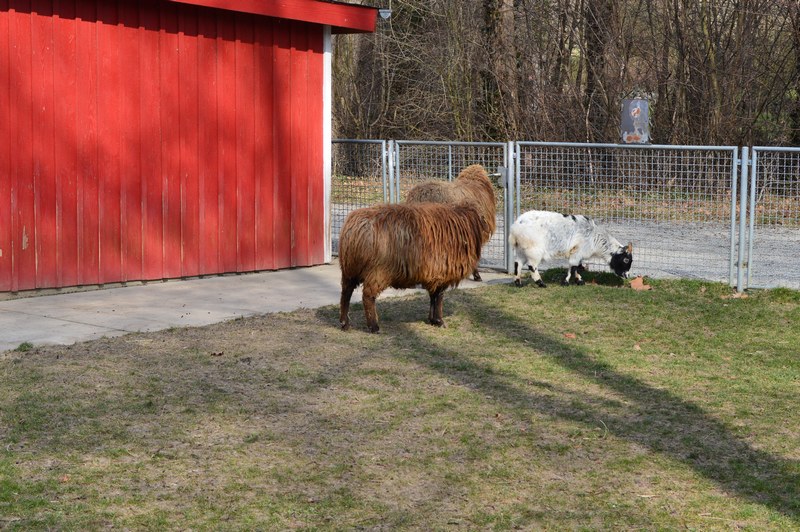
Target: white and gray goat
<point>538,236</point>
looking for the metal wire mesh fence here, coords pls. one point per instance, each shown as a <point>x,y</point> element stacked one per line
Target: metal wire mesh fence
<point>774,229</point>
<point>679,205</point>
<point>675,203</point>
<point>416,162</point>
<point>359,178</point>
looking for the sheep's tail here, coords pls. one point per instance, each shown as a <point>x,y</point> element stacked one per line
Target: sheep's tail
<point>512,239</point>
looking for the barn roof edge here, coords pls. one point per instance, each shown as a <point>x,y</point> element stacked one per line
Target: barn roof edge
<point>341,16</point>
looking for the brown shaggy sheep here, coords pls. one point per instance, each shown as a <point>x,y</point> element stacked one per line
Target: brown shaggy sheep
<point>471,185</point>
<point>403,245</point>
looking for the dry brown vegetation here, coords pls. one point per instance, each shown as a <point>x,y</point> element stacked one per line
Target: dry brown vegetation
<point>715,71</point>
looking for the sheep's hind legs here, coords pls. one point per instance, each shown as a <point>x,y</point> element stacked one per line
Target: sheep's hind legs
<point>435,314</point>
<point>348,285</point>
<point>371,313</point>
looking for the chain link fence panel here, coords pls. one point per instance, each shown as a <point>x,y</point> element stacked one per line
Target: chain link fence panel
<point>677,204</point>
<point>774,218</point>
<point>418,161</point>
<point>359,178</point>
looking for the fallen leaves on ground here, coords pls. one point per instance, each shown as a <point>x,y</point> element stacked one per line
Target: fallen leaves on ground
<point>638,284</point>
<point>735,295</point>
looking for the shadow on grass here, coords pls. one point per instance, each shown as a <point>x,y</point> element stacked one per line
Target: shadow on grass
<point>654,418</point>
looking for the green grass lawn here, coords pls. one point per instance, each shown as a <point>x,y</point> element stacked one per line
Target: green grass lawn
<point>594,407</point>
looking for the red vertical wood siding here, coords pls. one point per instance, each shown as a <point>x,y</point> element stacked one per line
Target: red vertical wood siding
<point>6,132</point>
<point>316,194</point>
<point>189,110</point>
<point>66,153</point>
<point>265,220</point>
<point>208,161</point>
<point>245,145</point>
<point>282,143</point>
<point>226,101</point>
<point>154,140</point>
<point>150,157</point>
<point>22,156</point>
<point>87,179</point>
<point>110,83</point>
<point>43,142</point>
<point>130,146</point>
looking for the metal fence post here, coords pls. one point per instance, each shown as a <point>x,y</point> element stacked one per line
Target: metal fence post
<point>449,163</point>
<point>511,177</point>
<point>742,219</point>
<point>752,212</point>
<point>396,155</point>
<point>735,171</point>
<point>384,173</point>
<point>390,156</point>
<point>517,173</point>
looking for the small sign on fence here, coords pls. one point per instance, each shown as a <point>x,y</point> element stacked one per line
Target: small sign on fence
<point>635,121</point>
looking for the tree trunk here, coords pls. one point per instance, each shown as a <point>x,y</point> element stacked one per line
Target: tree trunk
<point>795,15</point>
<point>597,22</point>
<point>501,80</point>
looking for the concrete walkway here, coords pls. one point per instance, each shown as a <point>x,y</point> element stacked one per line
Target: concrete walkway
<point>66,318</point>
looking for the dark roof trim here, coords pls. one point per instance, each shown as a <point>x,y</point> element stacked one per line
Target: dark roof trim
<point>343,18</point>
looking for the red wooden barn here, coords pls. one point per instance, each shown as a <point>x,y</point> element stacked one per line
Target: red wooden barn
<point>160,139</point>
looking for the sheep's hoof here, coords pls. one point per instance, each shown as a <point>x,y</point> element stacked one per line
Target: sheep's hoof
<point>374,330</point>
<point>438,323</point>
<point>564,283</point>
<point>476,277</point>
<point>580,282</point>
<point>517,282</point>
<point>541,284</point>
<point>345,326</point>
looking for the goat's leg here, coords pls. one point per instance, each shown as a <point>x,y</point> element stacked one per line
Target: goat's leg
<point>576,272</point>
<point>436,316</point>
<point>536,277</point>
<point>476,276</point>
<point>348,285</point>
<point>517,268</point>
<point>565,281</point>
<point>532,258</point>
<point>517,273</point>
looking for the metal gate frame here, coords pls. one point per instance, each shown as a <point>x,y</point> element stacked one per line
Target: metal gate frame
<point>758,183</point>
<point>597,152</point>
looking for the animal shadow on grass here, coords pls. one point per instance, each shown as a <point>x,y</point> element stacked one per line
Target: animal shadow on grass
<point>655,418</point>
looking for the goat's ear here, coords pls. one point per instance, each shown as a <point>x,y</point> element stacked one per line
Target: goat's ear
<point>629,248</point>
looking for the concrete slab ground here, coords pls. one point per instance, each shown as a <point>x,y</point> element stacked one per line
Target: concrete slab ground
<point>66,318</point>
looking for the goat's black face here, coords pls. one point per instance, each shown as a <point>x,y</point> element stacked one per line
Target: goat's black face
<point>621,261</point>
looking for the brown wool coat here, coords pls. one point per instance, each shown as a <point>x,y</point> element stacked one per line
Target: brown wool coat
<point>402,245</point>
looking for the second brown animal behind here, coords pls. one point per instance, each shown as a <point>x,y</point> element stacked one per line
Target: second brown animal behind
<point>472,186</point>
